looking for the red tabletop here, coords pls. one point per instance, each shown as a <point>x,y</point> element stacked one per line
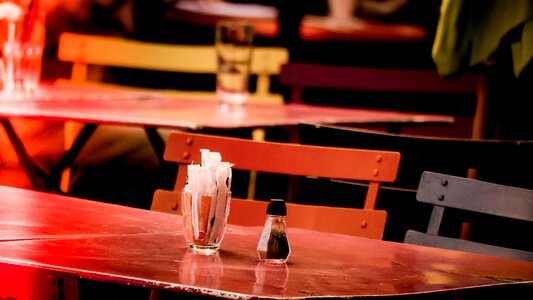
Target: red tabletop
<point>104,106</point>
<point>40,215</point>
<point>146,248</point>
<point>318,28</point>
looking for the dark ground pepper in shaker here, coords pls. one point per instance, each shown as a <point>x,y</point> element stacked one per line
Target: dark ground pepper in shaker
<point>273,247</point>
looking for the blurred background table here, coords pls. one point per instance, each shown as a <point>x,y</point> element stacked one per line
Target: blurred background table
<point>312,28</point>
<point>112,106</point>
<point>151,111</point>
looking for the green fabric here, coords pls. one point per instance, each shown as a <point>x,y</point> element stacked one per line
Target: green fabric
<point>469,32</point>
<point>523,50</point>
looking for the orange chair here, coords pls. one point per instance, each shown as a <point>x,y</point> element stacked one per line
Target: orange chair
<point>368,166</point>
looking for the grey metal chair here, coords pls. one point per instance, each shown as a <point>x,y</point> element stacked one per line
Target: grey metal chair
<point>453,192</point>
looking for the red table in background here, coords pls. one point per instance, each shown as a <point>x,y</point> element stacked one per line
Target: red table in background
<point>106,106</point>
<point>312,28</point>
<point>117,244</point>
<point>94,106</point>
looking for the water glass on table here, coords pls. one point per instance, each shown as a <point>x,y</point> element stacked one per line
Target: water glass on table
<point>233,43</point>
<point>22,36</point>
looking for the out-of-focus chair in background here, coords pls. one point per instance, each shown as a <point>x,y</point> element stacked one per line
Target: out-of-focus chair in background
<point>88,51</point>
<point>507,162</point>
<point>368,166</point>
<point>302,77</point>
<point>445,192</point>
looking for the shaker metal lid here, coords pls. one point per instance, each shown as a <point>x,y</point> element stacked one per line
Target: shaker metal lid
<point>277,207</point>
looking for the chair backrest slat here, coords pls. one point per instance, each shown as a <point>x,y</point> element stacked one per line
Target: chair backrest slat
<point>305,75</point>
<point>110,51</point>
<point>475,195</point>
<point>123,52</point>
<point>410,87</point>
<point>286,158</point>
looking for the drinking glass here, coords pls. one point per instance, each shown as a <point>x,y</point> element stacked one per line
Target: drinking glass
<point>233,43</point>
<point>204,220</point>
<point>21,46</point>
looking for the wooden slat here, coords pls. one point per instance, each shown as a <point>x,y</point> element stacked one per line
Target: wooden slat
<point>128,53</point>
<point>356,164</point>
<point>377,79</point>
<point>340,220</point>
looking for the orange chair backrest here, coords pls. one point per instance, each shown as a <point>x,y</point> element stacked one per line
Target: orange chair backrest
<point>371,166</point>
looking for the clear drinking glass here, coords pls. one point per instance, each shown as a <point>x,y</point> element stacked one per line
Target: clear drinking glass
<point>204,220</point>
<point>233,43</point>
<point>21,47</point>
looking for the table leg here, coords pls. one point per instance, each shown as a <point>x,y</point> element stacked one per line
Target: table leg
<point>27,163</point>
<point>68,158</point>
<point>156,141</point>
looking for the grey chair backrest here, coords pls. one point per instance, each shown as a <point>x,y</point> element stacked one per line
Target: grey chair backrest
<point>446,191</point>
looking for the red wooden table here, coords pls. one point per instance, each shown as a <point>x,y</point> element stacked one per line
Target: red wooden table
<point>93,106</point>
<point>106,106</point>
<point>117,244</point>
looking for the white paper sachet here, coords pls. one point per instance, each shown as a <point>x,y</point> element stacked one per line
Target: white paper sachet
<point>221,209</point>
<point>193,186</point>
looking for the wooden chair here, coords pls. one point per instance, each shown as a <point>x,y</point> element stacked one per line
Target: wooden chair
<point>452,192</point>
<point>84,51</point>
<point>372,167</point>
<point>507,162</point>
<point>302,76</point>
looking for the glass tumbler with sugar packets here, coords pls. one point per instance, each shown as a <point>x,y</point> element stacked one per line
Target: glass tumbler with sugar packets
<point>206,201</point>
<point>204,220</point>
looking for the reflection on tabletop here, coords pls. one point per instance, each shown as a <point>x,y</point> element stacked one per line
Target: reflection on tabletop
<point>201,270</point>
<point>270,278</point>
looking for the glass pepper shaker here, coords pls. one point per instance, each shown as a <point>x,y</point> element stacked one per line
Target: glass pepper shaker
<point>273,247</point>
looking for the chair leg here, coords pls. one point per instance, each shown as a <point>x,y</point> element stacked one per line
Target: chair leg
<point>258,134</point>
<point>155,294</point>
